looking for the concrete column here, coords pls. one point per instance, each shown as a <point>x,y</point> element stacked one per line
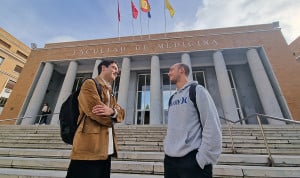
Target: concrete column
<point>263,86</point>
<point>124,83</point>
<point>35,103</point>
<point>66,90</point>
<point>95,71</point>
<point>185,59</point>
<point>155,92</point>
<point>227,98</point>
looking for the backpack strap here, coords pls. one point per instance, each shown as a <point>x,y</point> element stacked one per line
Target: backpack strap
<point>99,89</point>
<point>170,100</point>
<point>192,95</point>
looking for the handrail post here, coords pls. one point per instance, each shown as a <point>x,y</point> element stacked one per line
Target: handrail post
<point>38,124</point>
<point>231,137</point>
<point>270,159</point>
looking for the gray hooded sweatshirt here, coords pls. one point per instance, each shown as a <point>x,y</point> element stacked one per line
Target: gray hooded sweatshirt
<point>184,133</point>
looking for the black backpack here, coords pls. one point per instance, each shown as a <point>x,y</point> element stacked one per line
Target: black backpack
<point>69,113</point>
<point>192,95</point>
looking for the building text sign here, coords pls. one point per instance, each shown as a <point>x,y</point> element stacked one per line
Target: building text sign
<point>155,46</point>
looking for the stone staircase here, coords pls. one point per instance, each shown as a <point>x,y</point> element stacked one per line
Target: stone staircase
<point>37,151</point>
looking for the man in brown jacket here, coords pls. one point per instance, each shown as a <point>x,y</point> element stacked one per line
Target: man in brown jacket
<point>95,140</point>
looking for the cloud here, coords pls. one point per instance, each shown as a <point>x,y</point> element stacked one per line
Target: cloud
<point>220,13</point>
<point>62,38</point>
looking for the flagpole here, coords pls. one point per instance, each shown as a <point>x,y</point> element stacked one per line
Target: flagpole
<point>140,19</point>
<point>165,18</point>
<point>132,27</point>
<point>148,26</point>
<point>118,19</point>
<point>119,30</point>
<point>132,19</point>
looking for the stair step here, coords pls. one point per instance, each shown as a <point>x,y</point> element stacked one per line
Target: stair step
<point>40,150</point>
<point>219,171</point>
<point>31,173</point>
<point>255,171</point>
<point>9,156</point>
<point>158,156</point>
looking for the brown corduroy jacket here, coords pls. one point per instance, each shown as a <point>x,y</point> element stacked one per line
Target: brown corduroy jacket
<point>91,137</point>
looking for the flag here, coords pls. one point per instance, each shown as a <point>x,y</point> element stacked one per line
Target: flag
<point>119,15</point>
<point>145,6</point>
<point>134,10</point>
<point>149,15</point>
<point>170,8</point>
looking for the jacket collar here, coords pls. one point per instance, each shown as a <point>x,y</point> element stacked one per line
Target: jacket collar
<point>102,82</point>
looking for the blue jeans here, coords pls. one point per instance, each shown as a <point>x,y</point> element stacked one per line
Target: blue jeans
<point>185,167</point>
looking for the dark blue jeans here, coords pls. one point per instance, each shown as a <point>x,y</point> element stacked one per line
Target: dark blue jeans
<point>185,167</point>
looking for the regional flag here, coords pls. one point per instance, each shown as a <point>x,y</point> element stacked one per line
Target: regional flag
<point>145,6</point>
<point>170,8</point>
<point>134,10</point>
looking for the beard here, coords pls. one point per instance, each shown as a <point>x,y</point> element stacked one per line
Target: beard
<point>173,80</point>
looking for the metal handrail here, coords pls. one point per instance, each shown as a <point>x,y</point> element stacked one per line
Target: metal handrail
<point>270,158</point>
<point>258,117</point>
<point>39,115</point>
<point>223,118</point>
<point>227,121</point>
<point>263,115</point>
<point>26,117</point>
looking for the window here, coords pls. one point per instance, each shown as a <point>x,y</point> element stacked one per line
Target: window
<point>10,84</point>
<point>79,79</point>
<point>22,54</point>
<point>18,69</point>
<point>1,60</point>
<point>199,77</point>
<point>2,101</point>
<point>115,86</point>
<point>143,100</point>
<point>3,43</point>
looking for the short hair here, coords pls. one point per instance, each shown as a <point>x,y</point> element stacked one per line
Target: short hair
<point>105,63</point>
<point>185,67</point>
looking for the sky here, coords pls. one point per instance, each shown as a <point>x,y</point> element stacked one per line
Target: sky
<point>52,21</point>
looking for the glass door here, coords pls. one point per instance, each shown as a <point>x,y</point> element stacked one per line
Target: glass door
<point>143,100</point>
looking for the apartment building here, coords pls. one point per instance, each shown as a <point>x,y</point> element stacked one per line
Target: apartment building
<point>13,56</point>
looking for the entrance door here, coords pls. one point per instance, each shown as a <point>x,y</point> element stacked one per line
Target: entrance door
<point>143,100</point>
<point>168,90</point>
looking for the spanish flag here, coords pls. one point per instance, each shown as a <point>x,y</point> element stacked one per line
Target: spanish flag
<point>145,6</point>
<point>170,8</point>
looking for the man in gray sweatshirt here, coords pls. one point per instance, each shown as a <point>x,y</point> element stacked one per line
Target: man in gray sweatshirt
<point>191,147</point>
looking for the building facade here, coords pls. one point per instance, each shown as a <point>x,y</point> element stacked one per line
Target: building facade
<point>13,56</point>
<point>295,48</point>
<point>247,70</point>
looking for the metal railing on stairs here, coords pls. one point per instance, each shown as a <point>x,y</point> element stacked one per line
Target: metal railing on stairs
<point>230,123</point>
<point>37,122</point>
